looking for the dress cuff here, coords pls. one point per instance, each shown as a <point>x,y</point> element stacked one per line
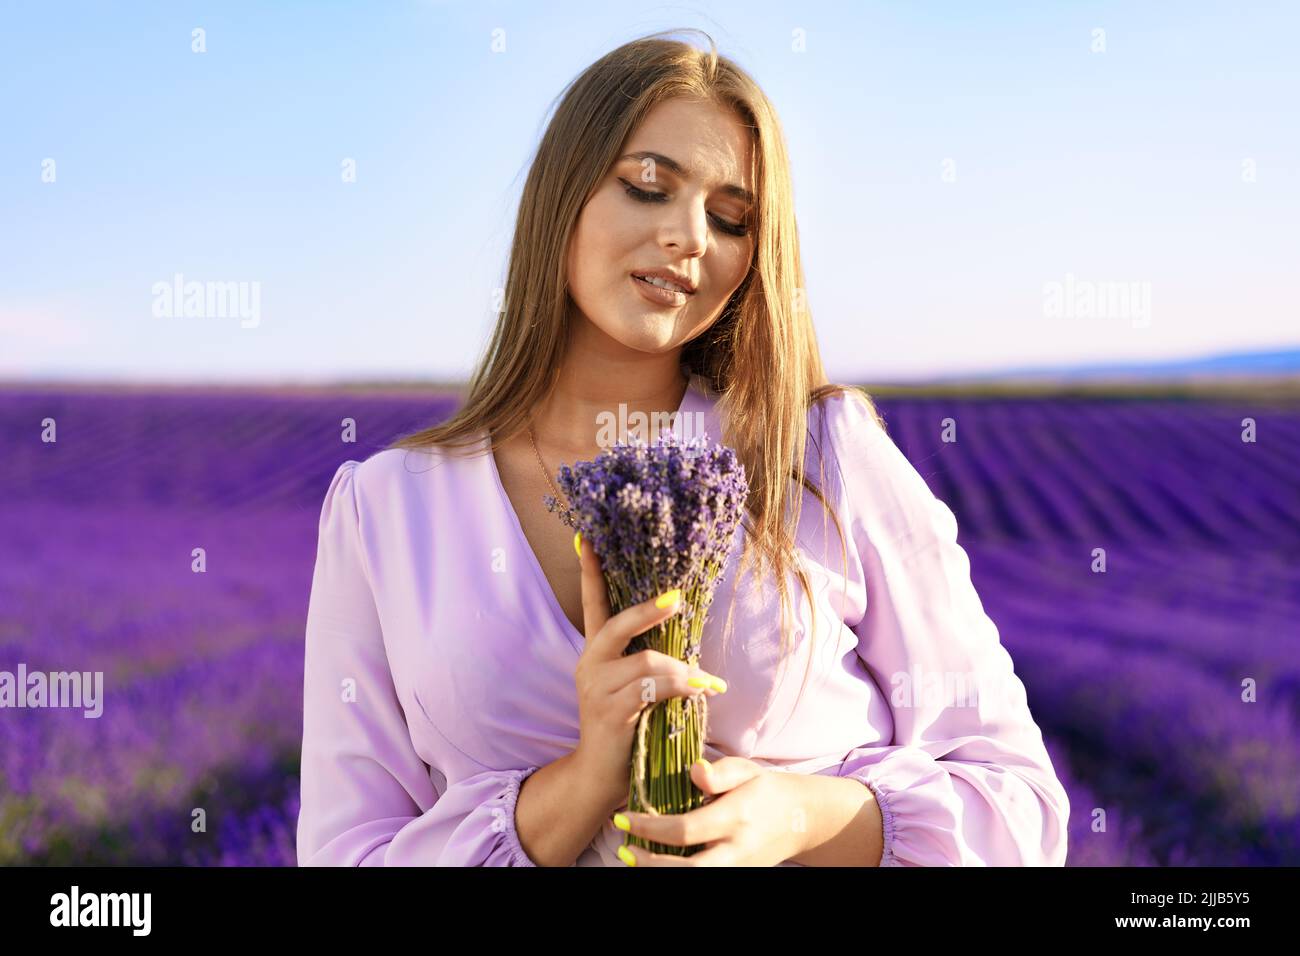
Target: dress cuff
<point>918,809</point>
<point>502,808</point>
<point>887,857</point>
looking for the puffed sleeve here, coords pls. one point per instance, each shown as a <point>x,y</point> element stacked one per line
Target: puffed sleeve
<point>368,799</point>
<point>966,779</point>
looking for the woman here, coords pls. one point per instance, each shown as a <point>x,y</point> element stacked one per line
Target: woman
<point>467,701</point>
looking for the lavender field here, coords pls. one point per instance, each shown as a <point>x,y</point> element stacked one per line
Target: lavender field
<point>1136,675</point>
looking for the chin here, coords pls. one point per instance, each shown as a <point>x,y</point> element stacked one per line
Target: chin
<point>651,333</point>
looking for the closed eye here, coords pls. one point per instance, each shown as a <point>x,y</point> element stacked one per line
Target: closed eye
<point>642,195</point>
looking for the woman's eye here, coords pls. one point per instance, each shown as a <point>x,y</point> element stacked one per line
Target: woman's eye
<point>642,195</point>
<point>731,228</point>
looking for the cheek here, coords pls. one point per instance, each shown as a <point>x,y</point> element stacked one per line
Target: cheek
<point>604,237</point>
<point>729,269</point>
<point>608,223</point>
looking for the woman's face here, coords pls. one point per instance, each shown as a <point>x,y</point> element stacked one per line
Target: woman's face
<point>647,215</point>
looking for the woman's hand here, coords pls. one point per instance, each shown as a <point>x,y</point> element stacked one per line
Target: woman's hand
<point>614,688</point>
<point>755,817</point>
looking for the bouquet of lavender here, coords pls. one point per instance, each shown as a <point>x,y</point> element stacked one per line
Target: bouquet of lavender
<point>661,516</point>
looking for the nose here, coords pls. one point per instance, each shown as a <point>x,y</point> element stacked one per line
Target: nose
<point>686,229</point>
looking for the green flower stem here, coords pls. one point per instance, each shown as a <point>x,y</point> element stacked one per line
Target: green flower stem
<point>668,759</point>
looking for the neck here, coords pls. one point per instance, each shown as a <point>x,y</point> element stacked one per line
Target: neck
<point>591,385</point>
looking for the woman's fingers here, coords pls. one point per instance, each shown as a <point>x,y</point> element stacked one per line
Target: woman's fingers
<point>701,826</point>
<point>648,672</point>
<point>608,637</point>
<point>611,640</point>
<point>655,665</point>
<point>595,597</point>
<point>644,689</point>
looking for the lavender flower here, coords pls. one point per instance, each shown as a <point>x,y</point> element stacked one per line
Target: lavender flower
<point>661,516</point>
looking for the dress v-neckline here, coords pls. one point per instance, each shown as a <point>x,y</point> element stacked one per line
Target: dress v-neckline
<point>575,637</point>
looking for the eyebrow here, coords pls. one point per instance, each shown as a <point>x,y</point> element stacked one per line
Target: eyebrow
<point>731,189</point>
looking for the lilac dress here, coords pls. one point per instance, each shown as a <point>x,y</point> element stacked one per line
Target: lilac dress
<point>439,667</point>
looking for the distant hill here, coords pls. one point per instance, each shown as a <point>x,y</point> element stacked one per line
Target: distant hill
<point>1265,363</point>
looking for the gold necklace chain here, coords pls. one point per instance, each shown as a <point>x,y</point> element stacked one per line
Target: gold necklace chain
<point>565,510</point>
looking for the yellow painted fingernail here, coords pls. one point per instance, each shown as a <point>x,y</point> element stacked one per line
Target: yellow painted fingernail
<point>668,598</point>
<point>701,682</point>
<point>577,543</point>
<point>626,856</point>
<point>622,822</point>
<point>719,685</point>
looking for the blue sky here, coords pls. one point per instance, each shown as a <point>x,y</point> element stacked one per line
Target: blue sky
<point>951,161</point>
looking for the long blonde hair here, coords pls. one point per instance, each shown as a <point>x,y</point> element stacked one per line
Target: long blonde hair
<point>760,355</point>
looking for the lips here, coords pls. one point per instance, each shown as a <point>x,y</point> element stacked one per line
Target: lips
<point>673,283</point>
<point>660,297</point>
